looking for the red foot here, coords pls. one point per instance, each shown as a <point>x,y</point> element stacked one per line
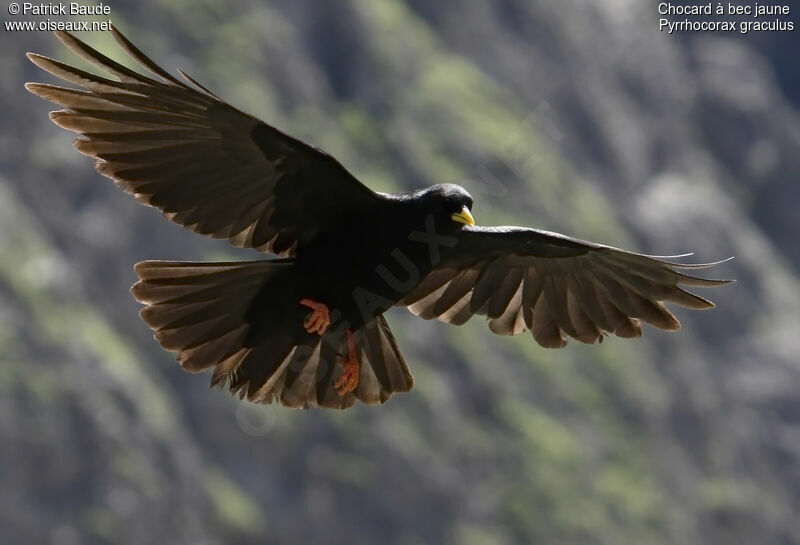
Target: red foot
<point>319,320</point>
<point>349,379</point>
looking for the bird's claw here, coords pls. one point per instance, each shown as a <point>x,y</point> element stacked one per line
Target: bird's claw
<point>348,381</point>
<point>319,320</point>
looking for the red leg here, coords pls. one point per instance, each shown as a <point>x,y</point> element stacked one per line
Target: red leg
<point>349,379</point>
<point>319,320</point>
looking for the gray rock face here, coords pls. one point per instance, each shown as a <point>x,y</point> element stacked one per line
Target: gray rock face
<point>574,116</point>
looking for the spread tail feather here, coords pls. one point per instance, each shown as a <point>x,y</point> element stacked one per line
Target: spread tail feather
<point>202,311</point>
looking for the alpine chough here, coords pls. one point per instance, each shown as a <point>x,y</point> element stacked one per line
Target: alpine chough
<point>307,328</point>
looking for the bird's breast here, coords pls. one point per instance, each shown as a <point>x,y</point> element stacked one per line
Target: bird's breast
<point>361,270</point>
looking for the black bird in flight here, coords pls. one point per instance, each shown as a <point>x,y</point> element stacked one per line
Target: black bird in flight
<point>307,328</point>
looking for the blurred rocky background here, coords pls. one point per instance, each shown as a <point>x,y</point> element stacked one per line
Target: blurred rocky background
<point>575,116</point>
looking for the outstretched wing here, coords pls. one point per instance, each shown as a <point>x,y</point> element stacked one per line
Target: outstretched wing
<point>203,163</point>
<point>554,285</point>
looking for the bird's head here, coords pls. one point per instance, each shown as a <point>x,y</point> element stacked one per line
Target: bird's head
<point>451,203</point>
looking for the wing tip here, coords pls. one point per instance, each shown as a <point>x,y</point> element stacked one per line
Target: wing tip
<point>692,265</point>
<point>136,293</point>
<point>39,60</point>
<point>34,88</point>
<point>672,325</point>
<point>676,256</point>
<point>62,118</point>
<point>56,115</point>
<point>150,264</point>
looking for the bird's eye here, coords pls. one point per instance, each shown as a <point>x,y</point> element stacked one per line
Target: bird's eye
<point>464,216</point>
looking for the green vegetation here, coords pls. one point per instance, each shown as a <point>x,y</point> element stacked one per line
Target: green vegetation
<point>673,438</point>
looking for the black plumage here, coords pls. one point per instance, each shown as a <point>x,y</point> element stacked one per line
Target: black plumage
<point>220,172</point>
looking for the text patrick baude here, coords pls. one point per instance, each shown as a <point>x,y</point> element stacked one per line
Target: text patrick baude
<point>57,8</point>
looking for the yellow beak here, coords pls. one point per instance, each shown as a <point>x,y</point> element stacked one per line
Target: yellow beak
<point>463,217</point>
